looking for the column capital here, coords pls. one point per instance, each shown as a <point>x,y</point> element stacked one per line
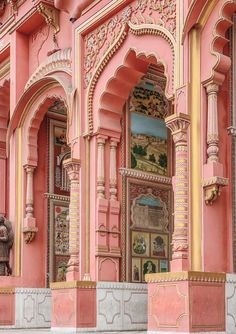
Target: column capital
<point>101,139</point>
<point>29,168</point>
<point>178,123</point>
<point>212,88</point>
<point>72,167</point>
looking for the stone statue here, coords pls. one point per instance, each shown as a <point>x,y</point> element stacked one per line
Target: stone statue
<point>6,242</point>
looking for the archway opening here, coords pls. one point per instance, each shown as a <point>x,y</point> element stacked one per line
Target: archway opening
<point>48,146</point>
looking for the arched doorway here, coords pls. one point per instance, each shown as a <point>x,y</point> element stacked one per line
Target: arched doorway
<point>146,177</point>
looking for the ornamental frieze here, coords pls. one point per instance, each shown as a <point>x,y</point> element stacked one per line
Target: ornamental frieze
<point>156,12</point>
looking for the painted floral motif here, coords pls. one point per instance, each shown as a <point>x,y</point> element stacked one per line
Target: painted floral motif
<point>158,12</point>
<point>61,231</point>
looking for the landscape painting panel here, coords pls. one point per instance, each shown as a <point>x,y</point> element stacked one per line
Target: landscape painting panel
<point>148,144</point>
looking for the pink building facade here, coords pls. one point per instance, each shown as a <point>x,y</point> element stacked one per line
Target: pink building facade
<point>117,164</point>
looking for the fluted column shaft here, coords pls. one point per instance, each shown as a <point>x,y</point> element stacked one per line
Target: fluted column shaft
<point>101,140</point>
<point>178,124</point>
<point>73,169</point>
<point>29,191</point>
<point>113,169</point>
<point>212,123</point>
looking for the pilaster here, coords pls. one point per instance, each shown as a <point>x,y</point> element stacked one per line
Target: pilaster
<point>178,123</point>
<point>73,169</point>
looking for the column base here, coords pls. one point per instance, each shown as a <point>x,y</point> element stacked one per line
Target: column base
<point>186,302</point>
<point>73,305</point>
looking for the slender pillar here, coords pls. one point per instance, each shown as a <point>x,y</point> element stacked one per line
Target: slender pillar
<point>113,169</point>
<point>178,124</point>
<point>101,167</point>
<point>73,169</point>
<point>30,228</point>
<point>3,180</point>
<point>212,123</point>
<point>29,191</point>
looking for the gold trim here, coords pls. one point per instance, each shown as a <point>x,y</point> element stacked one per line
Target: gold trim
<point>207,10</point>
<point>18,203</point>
<point>195,154</point>
<point>73,285</point>
<point>51,16</point>
<point>198,276</point>
<point>87,206</point>
<point>7,290</point>
<point>4,68</point>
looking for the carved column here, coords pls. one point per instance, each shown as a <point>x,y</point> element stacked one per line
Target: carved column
<point>213,170</point>
<point>212,123</point>
<point>30,228</point>
<point>73,169</point>
<point>178,124</point>
<point>101,167</point>
<point>113,169</point>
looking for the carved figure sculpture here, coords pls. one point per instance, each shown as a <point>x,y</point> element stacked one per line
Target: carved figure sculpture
<point>6,242</point>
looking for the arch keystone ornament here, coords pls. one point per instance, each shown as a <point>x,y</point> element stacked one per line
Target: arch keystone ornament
<point>178,123</point>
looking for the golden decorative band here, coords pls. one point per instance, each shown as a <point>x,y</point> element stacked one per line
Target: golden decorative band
<point>7,290</point>
<point>197,276</point>
<point>72,285</point>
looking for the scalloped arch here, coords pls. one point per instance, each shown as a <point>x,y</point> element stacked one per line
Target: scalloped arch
<point>219,40</point>
<point>128,57</point>
<point>40,108</point>
<point>220,22</point>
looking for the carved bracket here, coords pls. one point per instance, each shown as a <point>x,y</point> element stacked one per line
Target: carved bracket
<point>29,234</point>
<point>212,188</point>
<point>51,16</point>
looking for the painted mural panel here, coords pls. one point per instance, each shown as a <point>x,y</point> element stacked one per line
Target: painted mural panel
<point>149,221</point>
<point>61,230</point>
<point>61,241</point>
<point>148,140</point>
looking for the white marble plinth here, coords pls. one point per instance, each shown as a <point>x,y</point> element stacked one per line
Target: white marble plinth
<point>161,332</point>
<point>32,308</point>
<point>230,303</point>
<point>121,306</point>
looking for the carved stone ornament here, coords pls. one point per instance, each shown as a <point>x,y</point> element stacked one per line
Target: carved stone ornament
<point>29,234</point>
<point>51,16</point>
<point>212,188</point>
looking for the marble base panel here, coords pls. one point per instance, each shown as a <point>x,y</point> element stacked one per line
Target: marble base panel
<point>230,303</point>
<point>121,306</point>
<point>100,307</point>
<point>25,308</point>
<point>33,308</point>
<point>151,332</point>
<point>186,302</point>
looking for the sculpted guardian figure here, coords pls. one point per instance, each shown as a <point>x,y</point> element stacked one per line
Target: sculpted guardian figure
<point>6,242</point>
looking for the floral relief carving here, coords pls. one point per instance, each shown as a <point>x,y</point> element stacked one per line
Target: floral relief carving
<point>156,12</point>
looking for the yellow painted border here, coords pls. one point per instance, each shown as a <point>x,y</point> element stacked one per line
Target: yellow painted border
<point>195,108</point>
<point>18,203</point>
